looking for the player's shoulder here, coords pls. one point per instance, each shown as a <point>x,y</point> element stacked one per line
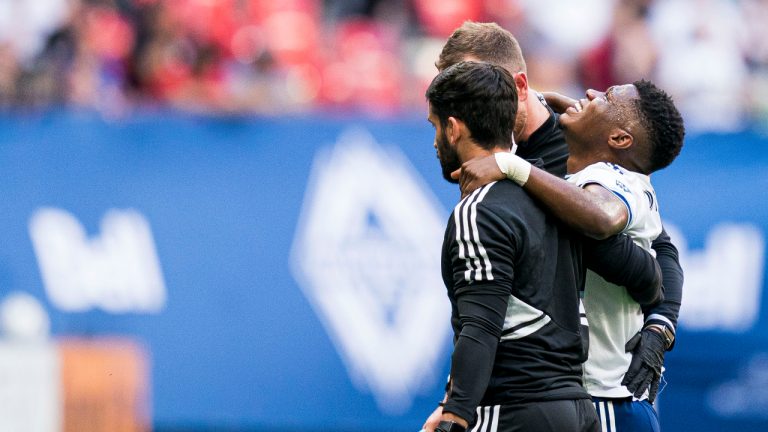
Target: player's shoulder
<point>606,167</point>
<point>600,172</point>
<point>493,194</point>
<point>499,198</point>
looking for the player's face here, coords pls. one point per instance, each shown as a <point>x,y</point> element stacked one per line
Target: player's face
<point>446,153</point>
<point>598,112</point>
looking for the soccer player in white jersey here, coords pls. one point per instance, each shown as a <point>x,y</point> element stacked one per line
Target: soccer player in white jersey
<point>616,139</point>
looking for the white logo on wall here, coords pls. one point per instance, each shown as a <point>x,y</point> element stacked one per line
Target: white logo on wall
<point>367,255</point>
<point>117,271</point>
<point>723,282</point>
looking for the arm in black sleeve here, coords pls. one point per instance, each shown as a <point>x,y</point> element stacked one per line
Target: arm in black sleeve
<point>668,257</point>
<point>481,313</point>
<point>620,261</point>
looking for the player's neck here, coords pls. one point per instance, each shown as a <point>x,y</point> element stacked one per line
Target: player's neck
<point>578,160</point>
<point>631,161</point>
<point>471,151</point>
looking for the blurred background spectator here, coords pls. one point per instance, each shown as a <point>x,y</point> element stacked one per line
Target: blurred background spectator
<point>293,56</point>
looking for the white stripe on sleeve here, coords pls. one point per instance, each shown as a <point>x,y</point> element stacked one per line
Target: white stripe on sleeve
<point>471,248</point>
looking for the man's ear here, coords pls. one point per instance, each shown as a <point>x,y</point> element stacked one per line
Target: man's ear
<point>453,129</point>
<point>521,82</point>
<point>620,139</point>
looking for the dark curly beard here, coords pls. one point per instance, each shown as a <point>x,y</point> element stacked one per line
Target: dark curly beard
<point>449,158</point>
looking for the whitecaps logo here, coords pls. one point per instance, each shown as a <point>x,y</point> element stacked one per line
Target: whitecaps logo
<point>367,255</point>
<point>117,271</point>
<point>723,281</point>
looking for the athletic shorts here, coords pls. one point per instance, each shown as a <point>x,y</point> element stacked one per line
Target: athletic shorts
<point>626,415</point>
<point>549,416</point>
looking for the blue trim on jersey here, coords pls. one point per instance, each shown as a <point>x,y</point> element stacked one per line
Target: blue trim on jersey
<point>626,203</point>
<point>618,168</point>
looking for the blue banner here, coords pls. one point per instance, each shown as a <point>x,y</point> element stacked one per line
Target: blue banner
<point>284,273</point>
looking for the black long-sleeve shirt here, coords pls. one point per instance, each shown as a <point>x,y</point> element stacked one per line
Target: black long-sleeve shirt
<point>513,277</point>
<point>513,274</point>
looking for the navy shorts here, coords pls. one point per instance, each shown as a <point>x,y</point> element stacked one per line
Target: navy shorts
<point>626,415</point>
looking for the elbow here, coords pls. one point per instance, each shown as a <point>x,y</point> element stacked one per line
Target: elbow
<point>604,226</point>
<point>606,216</point>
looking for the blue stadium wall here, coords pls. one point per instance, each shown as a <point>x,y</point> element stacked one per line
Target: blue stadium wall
<point>282,273</point>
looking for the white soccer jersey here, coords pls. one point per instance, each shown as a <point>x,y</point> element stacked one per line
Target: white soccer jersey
<point>613,316</point>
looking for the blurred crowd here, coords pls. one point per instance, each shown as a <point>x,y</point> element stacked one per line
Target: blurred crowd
<point>373,56</point>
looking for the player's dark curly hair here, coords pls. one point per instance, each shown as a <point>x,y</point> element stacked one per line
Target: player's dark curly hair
<point>663,123</point>
<point>481,95</point>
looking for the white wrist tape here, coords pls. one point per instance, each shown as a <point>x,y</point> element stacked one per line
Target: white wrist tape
<point>514,167</point>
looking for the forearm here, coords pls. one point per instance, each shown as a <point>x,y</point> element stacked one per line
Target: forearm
<point>596,212</point>
<point>471,366</point>
<point>481,309</point>
<point>592,210</point>
<point>672,276</point>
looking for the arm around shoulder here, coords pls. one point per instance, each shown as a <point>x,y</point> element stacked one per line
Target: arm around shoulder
<point>592,210</point>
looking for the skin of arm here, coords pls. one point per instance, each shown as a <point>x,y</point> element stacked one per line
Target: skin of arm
<point>593,210</point>
<point>558,102</point>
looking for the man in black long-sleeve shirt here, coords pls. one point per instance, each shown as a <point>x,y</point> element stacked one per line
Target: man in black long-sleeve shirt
<point>513,275</point>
